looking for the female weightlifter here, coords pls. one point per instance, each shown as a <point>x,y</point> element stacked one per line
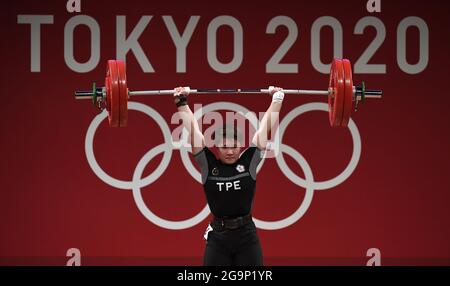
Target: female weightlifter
<point>229,183</point>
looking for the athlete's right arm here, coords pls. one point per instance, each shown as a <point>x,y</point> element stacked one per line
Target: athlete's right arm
<point>196,138</point>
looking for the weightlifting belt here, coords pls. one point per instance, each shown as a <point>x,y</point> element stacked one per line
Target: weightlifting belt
<point>231,223</point>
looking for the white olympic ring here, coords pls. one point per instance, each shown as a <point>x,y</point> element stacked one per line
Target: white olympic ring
<point>127,185</point>
<point>342,176</point>
<point>167,147</point>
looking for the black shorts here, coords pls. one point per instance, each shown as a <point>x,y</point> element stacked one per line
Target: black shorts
<point>236,247</point>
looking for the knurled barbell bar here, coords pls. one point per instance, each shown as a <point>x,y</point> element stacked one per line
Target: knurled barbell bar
<point>343,96</point>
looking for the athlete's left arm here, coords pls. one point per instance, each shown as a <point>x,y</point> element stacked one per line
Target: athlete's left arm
<point>269,119</point>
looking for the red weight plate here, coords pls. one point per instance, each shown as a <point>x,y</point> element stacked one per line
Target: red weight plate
<point>123,93</point>
<point>348,87</point>
<point>336,101</point>
<point>113,96</point>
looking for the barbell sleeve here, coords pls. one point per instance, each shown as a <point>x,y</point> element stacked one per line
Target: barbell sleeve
<point>373,93</point>
<point>87,94</point>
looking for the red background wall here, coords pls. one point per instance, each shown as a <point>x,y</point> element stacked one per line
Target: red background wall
<point>50,199</point>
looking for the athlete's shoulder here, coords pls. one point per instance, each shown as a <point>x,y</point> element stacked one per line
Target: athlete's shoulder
<point>251,157</point>
<point>205,152</point>
<point>248,154</point>
<point>206,160</point>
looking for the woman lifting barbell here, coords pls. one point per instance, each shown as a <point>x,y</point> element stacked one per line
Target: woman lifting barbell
<point>229,183</point>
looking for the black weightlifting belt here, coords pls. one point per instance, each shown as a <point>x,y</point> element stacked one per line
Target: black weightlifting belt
<point>230,223</point>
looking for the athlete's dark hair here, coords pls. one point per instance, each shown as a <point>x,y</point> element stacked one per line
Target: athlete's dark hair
<point>227,131</point>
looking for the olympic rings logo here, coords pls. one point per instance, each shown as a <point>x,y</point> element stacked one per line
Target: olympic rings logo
<point>137,182</point>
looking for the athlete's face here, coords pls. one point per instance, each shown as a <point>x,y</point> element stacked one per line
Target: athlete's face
<point>229,150</point>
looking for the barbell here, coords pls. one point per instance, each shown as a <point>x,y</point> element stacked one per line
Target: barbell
<point>343,96</point>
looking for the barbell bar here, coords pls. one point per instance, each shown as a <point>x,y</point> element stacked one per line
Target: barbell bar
<point>343,96</point>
